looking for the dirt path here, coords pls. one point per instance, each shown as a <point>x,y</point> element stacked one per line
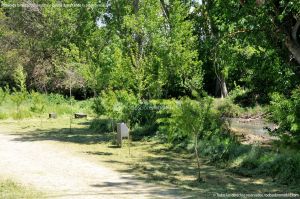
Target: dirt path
<point>64,175</point>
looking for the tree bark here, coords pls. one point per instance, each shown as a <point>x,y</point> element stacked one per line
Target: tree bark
<point>293,48</point>
<point>223,87</point>
<point>292,42</point>
<point>136,6</point>
<point>138,37</point>
<point>165,9</point>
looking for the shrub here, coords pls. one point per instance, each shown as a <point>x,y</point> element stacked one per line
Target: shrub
<point>101,125</point>
<point>3,116</point>
<point>56,99</point>
<point>37,103</point>
<point>144,113</point>
<point>139,132</point>
<point>286,113</point>
<point>251,160</point>
<point>116,105</point>
<point>19,97</point>
<point>218,148</point>
<point>3,94</point>
<point>284,168</point>
<point>21,114</point>
<point>227,108</point>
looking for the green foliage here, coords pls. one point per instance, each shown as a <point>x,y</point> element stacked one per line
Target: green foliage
<point>141,132</point>
<point>38,103</point>
<point>35,104</point>
<point>248,160</point>
<point>227,108</point>
<point>19,97</point>
<point>182,120</point>
<point>101,125</point>
<point>3,116</point>
<point>3,94</point>
<point>21,114</point>
<point>20,78</point>
<point>117,105</point>
<point>218,148</point>
<point>193,120</point>
<point>145,113</point>
<point>286,113</point>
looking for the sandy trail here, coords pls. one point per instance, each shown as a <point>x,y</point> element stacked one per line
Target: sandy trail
<point>61,174</point>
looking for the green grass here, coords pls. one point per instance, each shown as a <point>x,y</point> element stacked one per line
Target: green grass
<point>52,103</point>
<point>12,190</point>
<point>149,160</point>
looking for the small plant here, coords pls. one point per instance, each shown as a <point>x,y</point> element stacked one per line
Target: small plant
<point>193,118</point>
<point>3,94</point>
<point>38,104</point>
<point>20,94</point>
<point>18,97</point>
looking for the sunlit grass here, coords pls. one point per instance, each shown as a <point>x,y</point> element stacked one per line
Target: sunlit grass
<point>12,190</point>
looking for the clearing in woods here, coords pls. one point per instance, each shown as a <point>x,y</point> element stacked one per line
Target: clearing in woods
<point>83,165</point>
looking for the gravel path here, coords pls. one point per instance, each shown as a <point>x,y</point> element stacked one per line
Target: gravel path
<point>61,174</point>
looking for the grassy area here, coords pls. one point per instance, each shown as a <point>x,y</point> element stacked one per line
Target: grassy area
<point>36,105</point>
<point>12,190</point>
<point>148,160</point>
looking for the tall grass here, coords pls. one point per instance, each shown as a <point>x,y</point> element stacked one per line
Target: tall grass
<point>253,160</point>
<point>51,103</point>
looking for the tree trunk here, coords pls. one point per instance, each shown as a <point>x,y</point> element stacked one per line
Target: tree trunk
<point>293,48</point>
<point>223,87</point>
<point>136,6</point>
<point>165,9</point>
<point>292,42</point>
<point>70,91</point>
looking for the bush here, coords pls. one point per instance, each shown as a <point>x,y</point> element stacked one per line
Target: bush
<point>286,113</point>
<point>101,125</point>
<point>253,160</point>
<point>218,148</point>
<point>144,113</point>
<point>140,132</point>
<point>3,116</point>
<point>56,99</point>
<point>166,130</point>
<point>117,105</point>
<point>227,108</point>
<point>21,114</point>
<point>284,168</point>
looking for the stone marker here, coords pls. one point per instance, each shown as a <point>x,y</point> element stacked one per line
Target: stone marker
<point>52,115</point>
<point>80,115</point>
<point>122,132</point>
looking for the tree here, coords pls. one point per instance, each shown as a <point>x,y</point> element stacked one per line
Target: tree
<point>253,41</point>
<point>20,94</point>
<point>192,118</point>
